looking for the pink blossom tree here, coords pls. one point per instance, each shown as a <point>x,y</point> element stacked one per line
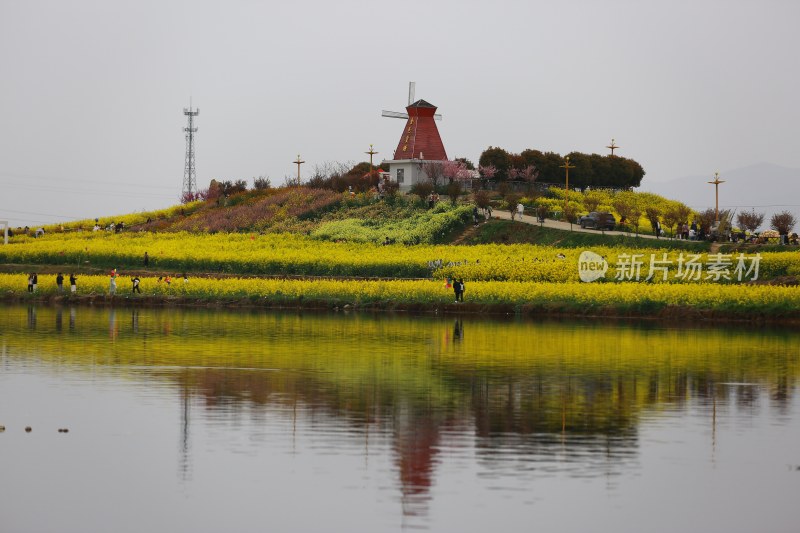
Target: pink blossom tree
<point>486,173</point>
<point>456,171</point>
<point>528,174</point>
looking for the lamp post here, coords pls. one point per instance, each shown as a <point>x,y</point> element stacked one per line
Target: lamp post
<point>566,166</point>
<point>716,183</point>
<point>371,153</point>
<point>298,162</point>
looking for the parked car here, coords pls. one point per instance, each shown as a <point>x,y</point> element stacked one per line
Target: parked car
<point>598,220</point>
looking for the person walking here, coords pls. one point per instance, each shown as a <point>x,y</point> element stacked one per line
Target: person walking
<point>60,283</point>
<point>520,211</point>
<point>73,283</point>
<point>135,281</point>
<point>35,279</point>
<point>112,286</point>
<point>30,282</point>
<point>146,259</point>
<point>456,289</point>
<point>461,289</point>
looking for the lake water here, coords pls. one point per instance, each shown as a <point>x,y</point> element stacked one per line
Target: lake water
<point>207,421</point>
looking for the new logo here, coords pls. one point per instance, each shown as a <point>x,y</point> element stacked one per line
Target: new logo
<point>591,266</point>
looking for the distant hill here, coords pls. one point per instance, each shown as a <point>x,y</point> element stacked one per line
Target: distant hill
<point>764,187</point>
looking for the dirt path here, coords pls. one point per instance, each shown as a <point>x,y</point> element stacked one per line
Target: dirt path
<point>466,234</point>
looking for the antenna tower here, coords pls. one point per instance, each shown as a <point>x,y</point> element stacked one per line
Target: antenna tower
<point>189,173</point>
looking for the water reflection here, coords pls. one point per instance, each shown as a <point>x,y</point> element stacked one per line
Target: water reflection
<point>537,398</point>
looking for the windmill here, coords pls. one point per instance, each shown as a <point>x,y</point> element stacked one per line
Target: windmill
<point>419,143</point>
<point>395,114</point>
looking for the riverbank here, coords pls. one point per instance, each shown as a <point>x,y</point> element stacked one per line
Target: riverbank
<point>678,303</point>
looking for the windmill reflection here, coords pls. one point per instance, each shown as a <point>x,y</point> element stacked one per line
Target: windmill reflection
<point>522,395</point>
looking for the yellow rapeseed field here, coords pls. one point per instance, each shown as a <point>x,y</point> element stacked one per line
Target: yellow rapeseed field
<point>569,296</point>
<point>289,254</point>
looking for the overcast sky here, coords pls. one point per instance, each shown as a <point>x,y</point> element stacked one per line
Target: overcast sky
<point>92,92</point>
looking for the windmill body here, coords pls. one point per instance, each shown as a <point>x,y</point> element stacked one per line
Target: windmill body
<point>419,143</point>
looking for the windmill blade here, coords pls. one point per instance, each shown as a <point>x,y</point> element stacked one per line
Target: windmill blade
<point>393,114</point>
<point>411,86</point>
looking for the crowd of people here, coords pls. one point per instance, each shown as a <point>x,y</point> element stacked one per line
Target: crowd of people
<point>33,280</point>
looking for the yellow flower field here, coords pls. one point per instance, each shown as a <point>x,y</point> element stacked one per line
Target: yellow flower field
<point>739,300</point>
<point>289,254</point>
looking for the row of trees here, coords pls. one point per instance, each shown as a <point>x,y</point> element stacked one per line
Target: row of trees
<point>590,170</point>
<point>782,222</point>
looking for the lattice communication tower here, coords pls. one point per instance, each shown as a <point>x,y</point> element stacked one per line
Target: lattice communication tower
<point>189,173</point>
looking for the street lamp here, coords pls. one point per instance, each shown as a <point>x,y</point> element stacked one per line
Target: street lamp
<point>371,153</point>
<point>298,163</point>
<point>716,183</point>
<point>566,166</point>
<point>612,147</point>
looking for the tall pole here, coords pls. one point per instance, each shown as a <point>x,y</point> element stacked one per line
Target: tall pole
<point>298,163</point>
<point>612,146</point>
<point>716,183</point>
<point>189,171</point>
<point>371,153</point>
<point>566,166</point>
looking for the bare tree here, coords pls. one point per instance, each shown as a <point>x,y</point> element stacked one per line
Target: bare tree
<point>684,212</point>
<point>512,199</point>
<point>706,219</point>
<point>482,200</point>
<point>390,189</point>
<point>635,217</point>
<point>591,200</point>
<point>291,181</point>
<point>570,214</point>
<point>750,221</point>
<point>454,191</point>
<point>671,218</point>
<point>783,222</point>
<point>625,203</point>
<point>262,183</point>
<point>708,222</point>
<point>434,171</point>
<point>653,213</point>
<point>332,169</point>
<point>423,189</point>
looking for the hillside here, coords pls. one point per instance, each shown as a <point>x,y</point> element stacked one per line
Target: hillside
<point>328,215</point>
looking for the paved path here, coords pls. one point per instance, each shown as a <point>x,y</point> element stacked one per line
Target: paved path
<point>566,226</point>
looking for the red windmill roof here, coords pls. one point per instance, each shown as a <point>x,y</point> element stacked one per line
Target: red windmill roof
<point>420,138</point>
